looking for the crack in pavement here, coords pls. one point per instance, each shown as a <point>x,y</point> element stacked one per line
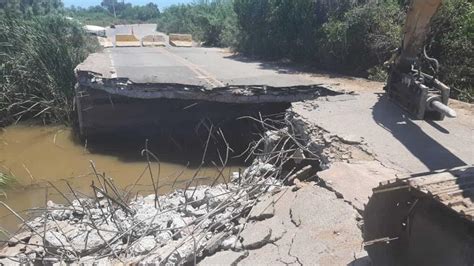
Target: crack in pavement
<point>281,259</point>
<point>241,258</point>
<point>292,218</point>
<point>289,251</point>
<point>267,240</point>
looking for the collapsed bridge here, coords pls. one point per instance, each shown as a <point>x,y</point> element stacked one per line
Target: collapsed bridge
<point>156,90</point>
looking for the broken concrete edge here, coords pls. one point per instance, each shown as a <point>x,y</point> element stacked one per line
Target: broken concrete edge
<point>227,94</point>
<point>336,150</point>
<point>330,147</point>
<point>264,209</point>
<point>66,234</point>
<point>310,226</point>
<point>225,257</point>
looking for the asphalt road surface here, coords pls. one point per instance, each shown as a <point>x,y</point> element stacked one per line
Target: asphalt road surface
<point>210,67</point>
<point>396,140</point>
<point>196,66</point>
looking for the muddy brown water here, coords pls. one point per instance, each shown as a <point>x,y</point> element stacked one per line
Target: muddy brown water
<point>36,155</point>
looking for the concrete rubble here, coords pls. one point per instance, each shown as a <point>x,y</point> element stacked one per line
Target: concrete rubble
<point>253,220</point>
<point>354,181</point>
<point>311,227</point>
<point>90,228</point>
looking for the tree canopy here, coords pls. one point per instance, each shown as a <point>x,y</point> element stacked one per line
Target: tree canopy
<point>30,8</point>
<point>349,36</point>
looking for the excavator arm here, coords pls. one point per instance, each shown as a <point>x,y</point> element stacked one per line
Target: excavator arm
<point>421,94</point>
<point>426,218</point>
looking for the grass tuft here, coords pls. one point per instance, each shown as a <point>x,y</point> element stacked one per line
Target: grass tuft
<point>37,61</point>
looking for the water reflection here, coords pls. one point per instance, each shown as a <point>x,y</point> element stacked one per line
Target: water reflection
<point>36,155</point>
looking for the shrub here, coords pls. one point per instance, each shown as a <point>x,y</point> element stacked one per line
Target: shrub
<point>212,23</point>
<point>363,38</point>
<point>355,37</point>
<point>452,44</point>
<point>378,73</point>
<point>37,62</point>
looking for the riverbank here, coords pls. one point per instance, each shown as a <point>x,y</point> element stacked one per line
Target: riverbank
<point>36,155</point>
<point>263,205</point>
<point>299,203</point>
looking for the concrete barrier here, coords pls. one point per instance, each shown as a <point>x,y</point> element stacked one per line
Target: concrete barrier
<point>154,40</point>
<point>181,40</point>
<point>105,42</point>
<point>126,40</point>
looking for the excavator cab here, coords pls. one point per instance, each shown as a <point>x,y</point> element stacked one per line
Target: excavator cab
<point>419,93</point>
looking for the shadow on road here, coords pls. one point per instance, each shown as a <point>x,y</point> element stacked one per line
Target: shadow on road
<point>286,67</point>
<point>364,261</point>
<point>431,153</point>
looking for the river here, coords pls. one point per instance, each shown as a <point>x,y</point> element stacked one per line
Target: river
<point>35,155</point>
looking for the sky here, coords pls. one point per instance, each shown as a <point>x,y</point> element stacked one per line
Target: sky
<point>160,3</point>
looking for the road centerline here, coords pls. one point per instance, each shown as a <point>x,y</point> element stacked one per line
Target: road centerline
<point>201,73</point>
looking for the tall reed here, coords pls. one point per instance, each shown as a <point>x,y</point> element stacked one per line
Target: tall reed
<point>37,61</point>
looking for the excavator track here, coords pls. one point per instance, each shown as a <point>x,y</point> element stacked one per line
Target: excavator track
<point>424,219</point>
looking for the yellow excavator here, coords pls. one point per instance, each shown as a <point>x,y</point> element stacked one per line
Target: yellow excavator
<point>421,94</point>
<point>428,218</point>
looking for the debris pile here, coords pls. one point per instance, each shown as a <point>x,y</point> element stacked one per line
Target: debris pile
<point>175,228</point>
<point>183,227</point>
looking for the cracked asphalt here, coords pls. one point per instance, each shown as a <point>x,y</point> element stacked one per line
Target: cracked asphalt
<point>396,140</point>
<point>312,225</point>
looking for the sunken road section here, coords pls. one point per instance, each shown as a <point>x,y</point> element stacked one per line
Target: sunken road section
<point>172,101</point>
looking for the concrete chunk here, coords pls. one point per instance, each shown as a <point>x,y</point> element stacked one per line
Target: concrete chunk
<point>355,181</point>
<point>7,252</point>
<point>256,235</point>
<point>223,258</point>
<point>229,243</point>
<point>145,245</point>
<point>265,209</point>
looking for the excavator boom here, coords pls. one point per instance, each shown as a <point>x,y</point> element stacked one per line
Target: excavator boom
<point>416,30</point>
<point>421,94</point>
<point>423,219</point>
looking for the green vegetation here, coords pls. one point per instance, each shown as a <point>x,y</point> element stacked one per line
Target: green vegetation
<point>212,22</point>
<point>452,43</point>
<point>361,39</point>
<point>96,15</point>
<point>352,37</point>
<point>114,12</point>
<point>39,47</point>
<point>30,8</point>
<point>38,54</point>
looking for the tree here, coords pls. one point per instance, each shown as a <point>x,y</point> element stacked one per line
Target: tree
<point>140,13</point>
<point>110,5</point>
<point>214,23</point>
<point>12,7</point>
<point>29,8</point>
